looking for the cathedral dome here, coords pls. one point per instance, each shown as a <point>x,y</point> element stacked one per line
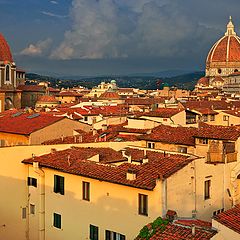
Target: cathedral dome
<point>5,52</point>
<point>224,56</point>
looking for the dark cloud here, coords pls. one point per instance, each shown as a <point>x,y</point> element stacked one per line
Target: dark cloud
<point>117,36</point>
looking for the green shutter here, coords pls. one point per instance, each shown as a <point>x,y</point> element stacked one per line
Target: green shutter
<point>61,179</point>
<point>55,183</point>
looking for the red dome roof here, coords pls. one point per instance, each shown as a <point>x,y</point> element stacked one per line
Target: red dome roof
<point>203,81</point>
<point>5,52</point>
<point>227,49</point>
<point>109,95</point>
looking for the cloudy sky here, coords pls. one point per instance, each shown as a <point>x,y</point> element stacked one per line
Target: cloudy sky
<point>94,37</point>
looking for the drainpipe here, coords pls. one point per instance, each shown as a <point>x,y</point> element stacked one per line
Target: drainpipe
<point>41,212</point>
<point>164,197</point>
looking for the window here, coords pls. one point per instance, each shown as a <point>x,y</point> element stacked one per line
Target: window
<point>225,118</point>
<point>57,221</point>
<point>207,185</point>
<point>142,204</point>
<point>110,235</point>
<point>32,209</point>
<point>93,232</point>
<point>151,145</point>
<point>24,213</point>
<point>182,149</point>
<point>204,118</point>
<point>85,118</point>
<point>7,69</point>
<point>203,140</point>
<point>212,117</point>
<point>86,191</point>
<point>59,184</point>
<point>219,70</point>
<point>32,182</point>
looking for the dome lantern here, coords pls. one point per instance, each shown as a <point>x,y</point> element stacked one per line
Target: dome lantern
<point>230,28</point>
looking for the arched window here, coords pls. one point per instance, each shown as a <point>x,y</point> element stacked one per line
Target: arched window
<point>7,69</point>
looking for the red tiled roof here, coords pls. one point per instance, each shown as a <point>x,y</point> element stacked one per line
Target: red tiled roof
<point>174,135</point>
<point>47,98</point>
<point>218,132</point>
<point>206,111</point>
<point>143,101</point>
<point>225,50</point>
<point>70,94</point>
<point>162,112</point>
<point>182,230</point>
<point>215,105</point>
<point>25,123</point>
<point>235,113</point>
<point>179,232</point>
<point>230,218</point>
<point>5,52</point>
<point>204,81</point>
<point>109,95</point>
<point>158,166</point>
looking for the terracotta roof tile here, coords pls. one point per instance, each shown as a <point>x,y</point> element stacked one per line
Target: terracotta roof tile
<point>174,135</point>
<point>163,112</point>
<point>158,166</point>
<point>230,218</point>
<point>5,52</point>
<point>19,122</point>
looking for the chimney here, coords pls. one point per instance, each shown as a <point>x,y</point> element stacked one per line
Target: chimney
<point>62,137</point>
<point>145,159</point>
<point>35,165</point>
<point>68,159</point>
<point>129,158</point>
<point>131,174</point>
<point>104,127</point>
<point>193,230</point>
<point>80,138</point>
<point>94,131</point>
<point>53,150</point>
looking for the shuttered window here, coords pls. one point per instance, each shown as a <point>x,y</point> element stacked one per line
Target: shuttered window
<point>57,221</point>
<point>93,232</point>
<point>110,235</point>
<point>32,182</point>
<point>59,184</point>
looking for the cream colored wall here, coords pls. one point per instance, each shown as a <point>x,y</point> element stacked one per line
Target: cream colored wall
<point>61,128</point>
<point>13,186</point>
<point>169,147</point>
<point>109,121</point>
<point>233,120</point>
<point>224,233</point>
<point>109,207</point>
<point>141,123</point>
<point>177,119</point>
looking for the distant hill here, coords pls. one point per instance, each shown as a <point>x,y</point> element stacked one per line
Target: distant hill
<point>185,81</point>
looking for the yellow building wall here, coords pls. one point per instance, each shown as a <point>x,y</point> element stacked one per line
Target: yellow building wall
<point>230,119</point>
<point>14,139</point>
<point>13,186</point>
<point>111,207</point>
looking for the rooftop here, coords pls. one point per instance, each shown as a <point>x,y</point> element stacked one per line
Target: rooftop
<point>20,122</point>
<point>76,161</point>
<point>230,218</point>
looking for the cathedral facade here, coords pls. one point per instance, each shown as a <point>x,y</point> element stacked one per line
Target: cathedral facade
<point>10,78</point>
